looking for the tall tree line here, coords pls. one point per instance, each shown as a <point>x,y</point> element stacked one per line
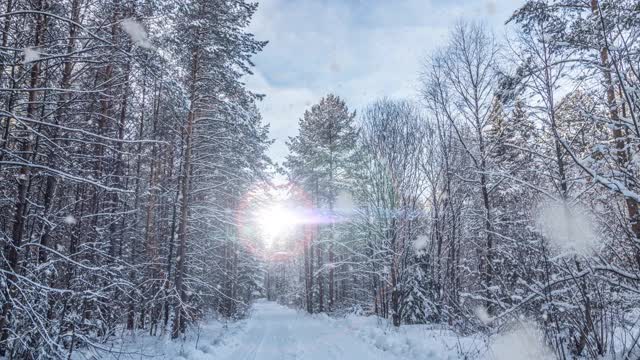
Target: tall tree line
<point>507,192</point>
<point>127,142</point>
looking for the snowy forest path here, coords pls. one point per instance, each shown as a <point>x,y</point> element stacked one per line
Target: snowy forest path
<point>277,332</point>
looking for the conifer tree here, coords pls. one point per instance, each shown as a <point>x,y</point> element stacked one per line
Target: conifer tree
<point>320,156</point>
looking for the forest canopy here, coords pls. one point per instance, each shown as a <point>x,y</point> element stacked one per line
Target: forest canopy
<point>137,196</point>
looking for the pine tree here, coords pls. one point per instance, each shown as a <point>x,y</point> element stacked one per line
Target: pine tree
<point>93,144</point>
<point>319,157</point>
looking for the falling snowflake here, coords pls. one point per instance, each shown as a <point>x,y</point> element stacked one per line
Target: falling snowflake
<point>30,55</point>
<point>70,220</point>
<point>420,243</point>
<point>483,315</point>
<point>525,341</point>
<point>568,228</point>
<point>136,32</point>
<point>492,7</point>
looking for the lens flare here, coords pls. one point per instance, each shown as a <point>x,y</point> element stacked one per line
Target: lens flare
<point>276,220</point>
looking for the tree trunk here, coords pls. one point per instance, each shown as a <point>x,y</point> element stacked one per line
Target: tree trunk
<point>619,137</point>
<point>179,323</point>
<point>320,277</point>
<point>21,199</point>
<point>307,270</point>
<point>311,238</point>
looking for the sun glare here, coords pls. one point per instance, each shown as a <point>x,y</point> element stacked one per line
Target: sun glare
<point>275,221</point>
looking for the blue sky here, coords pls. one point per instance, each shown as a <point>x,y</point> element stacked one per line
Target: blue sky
<point>360,50</point>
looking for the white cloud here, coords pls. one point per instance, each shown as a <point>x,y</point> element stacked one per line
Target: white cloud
<point>360,50</point>
<point>282,108</point>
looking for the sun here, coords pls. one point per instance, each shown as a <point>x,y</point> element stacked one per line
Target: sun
<point>275,220</point>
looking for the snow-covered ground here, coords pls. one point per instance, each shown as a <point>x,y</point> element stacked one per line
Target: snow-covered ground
<point>275,332</point>
<point>201,343</point>
<point>427,342</point>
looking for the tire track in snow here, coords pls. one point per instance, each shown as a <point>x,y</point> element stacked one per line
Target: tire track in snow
<point>279,333</point>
